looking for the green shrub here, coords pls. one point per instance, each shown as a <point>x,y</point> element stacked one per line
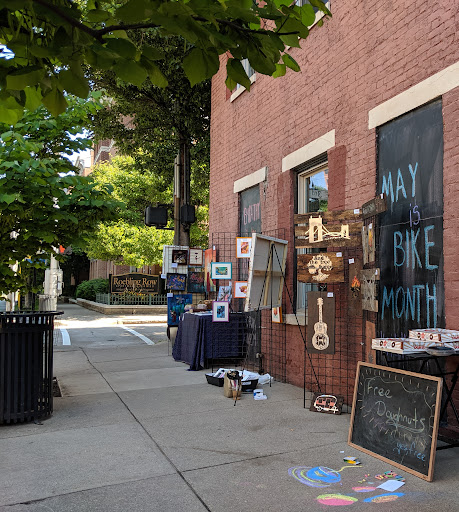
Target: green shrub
<point>88,289</point>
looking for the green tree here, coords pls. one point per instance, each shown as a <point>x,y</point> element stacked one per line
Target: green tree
<point>153,124</point>
<point>127,240</point>
<point>52,39</point>
<point>43,202</point>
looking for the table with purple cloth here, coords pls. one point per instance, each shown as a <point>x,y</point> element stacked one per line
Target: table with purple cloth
<point>200,340</point>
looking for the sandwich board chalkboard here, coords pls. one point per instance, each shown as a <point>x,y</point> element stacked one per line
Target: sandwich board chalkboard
<point>395,417</point>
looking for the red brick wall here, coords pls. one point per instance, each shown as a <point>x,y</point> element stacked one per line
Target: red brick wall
<point>366,54</point>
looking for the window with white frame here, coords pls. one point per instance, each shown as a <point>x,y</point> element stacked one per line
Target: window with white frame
<point>248,69</point>
<point>312,197</point>
<point>319,14</point>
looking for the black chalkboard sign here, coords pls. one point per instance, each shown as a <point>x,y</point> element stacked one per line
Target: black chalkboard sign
<point>395,417</point>
<point>410,237</point>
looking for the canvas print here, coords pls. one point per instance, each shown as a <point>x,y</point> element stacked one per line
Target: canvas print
<point>176,306</point>
<point>210,255</point>
<point>195,281</point>
<point>221,270</point>
<point>224,293</point>
<point>240,289</point>
<point>243,246</point>
<point>180,256</point>
<point>277,315</point>
<point>176,282</point>
<point>220,311</point>
<point>195,257</point>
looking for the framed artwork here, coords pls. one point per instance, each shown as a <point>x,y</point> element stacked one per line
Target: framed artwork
<point>243,246</point>
<point>195,257</point>
<point>240,289</point>
<point>321,323</point>
<point>169,265</point>
<point>221,270</point>
<point>220,311</point>
<point>176,306</point>
<point>276,315</point>
<point>176,282</point>
<point>180,256</point>
<point>224,293</point>
<point>195,281</point>
<point>210,255</point>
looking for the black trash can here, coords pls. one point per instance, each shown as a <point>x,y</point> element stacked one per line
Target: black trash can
<point>26,365</point>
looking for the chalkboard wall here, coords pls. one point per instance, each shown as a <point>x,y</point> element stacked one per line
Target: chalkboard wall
<point>410,173</point>
<point>395,416</point>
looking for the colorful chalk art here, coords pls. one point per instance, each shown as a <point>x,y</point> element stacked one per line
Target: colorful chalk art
<point>322,477</point>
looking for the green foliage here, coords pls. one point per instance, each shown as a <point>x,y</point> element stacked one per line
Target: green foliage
<point>88,289</point>
<point>43,203</point>
<point>53,39</point>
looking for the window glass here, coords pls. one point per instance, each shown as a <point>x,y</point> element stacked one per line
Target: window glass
<point>312,197</point>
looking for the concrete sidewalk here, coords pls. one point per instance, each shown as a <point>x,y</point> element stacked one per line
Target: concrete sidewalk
<point>135,431</point>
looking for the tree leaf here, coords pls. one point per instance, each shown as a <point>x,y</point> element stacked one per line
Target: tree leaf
<point>97,15</point>
<point>74,83</point>
<point>290,62</point>
<point>24,77</point>
<point>130,72</point>
<point>237,73</point>
<point>154,73</point>
<point>122,47</point>
<point>200,64</point>
<point>55,102</point>
<point>281,69</point>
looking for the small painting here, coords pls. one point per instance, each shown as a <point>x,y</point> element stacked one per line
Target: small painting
<point>195,257</point>
<point>220,311</point>
<point>330,404</point>
<point>221,270</point>
<point>195,282</point>
<point>180,256</point>
<point>243,246</point>
<point>176,306</point>
<point>176,282</point>
<point>210,255</point>
<point>277,315</point>
<point>240,289</point>
<point>224,293</point>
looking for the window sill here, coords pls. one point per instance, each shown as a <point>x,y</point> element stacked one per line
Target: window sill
<point>241,89</point>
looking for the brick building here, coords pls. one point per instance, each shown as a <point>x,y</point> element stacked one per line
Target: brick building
<point>374,109</point>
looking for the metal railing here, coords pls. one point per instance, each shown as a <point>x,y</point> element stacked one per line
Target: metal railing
<point>127,299</point>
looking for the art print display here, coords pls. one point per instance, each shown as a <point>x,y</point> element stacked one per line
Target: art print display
<point>410,174</point>
<point>180,256</point>
<point>320,268</point>
<point>368,278</point>
<point>169,265</point>
<point>176,306</point>
<point>210,255</point>
<point>195,257</point>
<point>195,281</point>
<point>240,289</point>
<point>220,311</point>
<point>276,315</point>
<point>243,247</point>
<point>221,270</point>
<point>225,292</point>
<point>176,282</point>
<point>321,323</point>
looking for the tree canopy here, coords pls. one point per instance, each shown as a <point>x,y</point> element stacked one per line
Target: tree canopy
<point>50,41</point>
<point>44,203</point>
<point>127,240</point>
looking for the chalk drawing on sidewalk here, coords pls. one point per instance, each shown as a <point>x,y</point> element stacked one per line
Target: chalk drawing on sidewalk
<point>336,500</point>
